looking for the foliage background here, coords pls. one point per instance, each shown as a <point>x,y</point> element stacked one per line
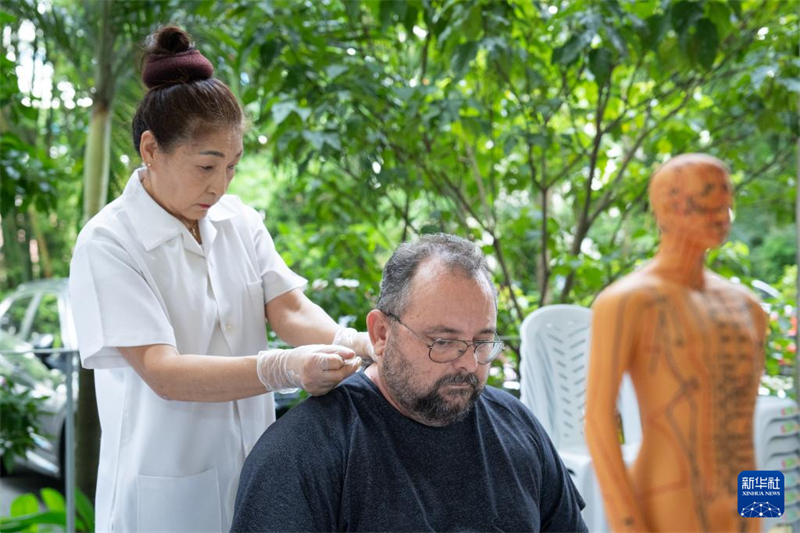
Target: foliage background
<point>530,127</point>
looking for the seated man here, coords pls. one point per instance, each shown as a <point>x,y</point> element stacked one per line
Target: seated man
<point>415,443</point>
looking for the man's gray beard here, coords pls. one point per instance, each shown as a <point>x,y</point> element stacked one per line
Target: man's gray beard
<point>431,407</point>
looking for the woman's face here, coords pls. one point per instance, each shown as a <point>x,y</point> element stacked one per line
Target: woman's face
<point>192,177</point>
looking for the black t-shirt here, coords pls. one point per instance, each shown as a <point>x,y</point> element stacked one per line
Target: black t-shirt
<point>349,461</point>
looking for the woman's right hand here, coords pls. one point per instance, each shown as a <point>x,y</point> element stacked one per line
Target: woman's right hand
<point>317,368</point>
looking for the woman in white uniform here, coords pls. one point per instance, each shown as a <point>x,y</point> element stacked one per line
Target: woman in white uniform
<point>171,284</point>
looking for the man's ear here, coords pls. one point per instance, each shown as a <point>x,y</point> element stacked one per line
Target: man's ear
<point>378,327</point>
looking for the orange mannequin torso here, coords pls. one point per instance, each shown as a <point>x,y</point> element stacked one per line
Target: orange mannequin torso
<point>693,345</point>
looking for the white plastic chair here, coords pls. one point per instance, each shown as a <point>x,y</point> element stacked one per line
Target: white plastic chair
<point>553,372</point>
<point>776,435</point>
<point>776,425</point>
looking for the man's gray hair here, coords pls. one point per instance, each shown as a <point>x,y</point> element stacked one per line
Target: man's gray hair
<point>453,252</point>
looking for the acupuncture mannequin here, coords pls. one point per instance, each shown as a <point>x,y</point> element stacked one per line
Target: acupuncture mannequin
<point>692,343</point>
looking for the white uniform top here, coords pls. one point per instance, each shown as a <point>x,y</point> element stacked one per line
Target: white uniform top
<point>138,277</point>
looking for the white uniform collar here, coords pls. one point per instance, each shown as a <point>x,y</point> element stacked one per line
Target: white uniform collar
<point>154,225</point>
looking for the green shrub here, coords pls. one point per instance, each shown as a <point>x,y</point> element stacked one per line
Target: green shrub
<point>27,516</point>
<point>20,420</point>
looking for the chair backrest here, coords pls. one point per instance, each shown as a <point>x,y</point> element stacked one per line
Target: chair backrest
<point>553,372</point>
<point>555,340</point>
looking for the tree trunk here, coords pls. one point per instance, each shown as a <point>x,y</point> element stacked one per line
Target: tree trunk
<point>543,257</point>
<point>46,270</point>
<point>15,253</point>
<point>97,160</point>
<point>95,190</point>
<point>95,187</point>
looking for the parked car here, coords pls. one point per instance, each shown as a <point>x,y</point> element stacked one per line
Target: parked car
<point>38,318</point>
<point>38,335</point>
<point>19,362</point>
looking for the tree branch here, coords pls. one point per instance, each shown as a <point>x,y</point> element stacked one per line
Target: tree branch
<point>779,157</point>
<point>476,174</point>
<point>607,197</point>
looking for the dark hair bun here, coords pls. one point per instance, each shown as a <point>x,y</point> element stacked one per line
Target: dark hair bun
<point>170,40</point>
<point>171,58</point>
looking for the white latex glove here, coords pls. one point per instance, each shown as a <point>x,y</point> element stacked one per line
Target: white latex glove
<point>358,342</point>
<point>317,368</point>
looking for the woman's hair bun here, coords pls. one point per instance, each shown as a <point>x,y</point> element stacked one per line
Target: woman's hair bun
<point>169,40</point>
<point>170,57</point>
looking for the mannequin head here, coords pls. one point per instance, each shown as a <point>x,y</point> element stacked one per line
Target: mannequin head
<point>691,196</point>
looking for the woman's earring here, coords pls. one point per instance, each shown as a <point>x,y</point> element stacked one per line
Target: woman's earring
<point>149,165</point>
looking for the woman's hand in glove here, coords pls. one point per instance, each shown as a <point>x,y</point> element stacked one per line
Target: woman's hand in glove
<point>317,368</point>
<point>358,342</point>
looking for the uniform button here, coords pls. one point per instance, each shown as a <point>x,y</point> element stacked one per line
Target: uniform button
<point>229,328</point>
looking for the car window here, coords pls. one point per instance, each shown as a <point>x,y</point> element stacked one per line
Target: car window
<point>18,361</point>
<point>46,326</point>
<point>11,322</point>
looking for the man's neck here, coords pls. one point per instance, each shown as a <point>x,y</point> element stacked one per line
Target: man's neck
<point>374,374</point>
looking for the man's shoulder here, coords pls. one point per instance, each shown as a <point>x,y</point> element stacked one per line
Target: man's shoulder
<point>315,432</point>
<point>501,397</point>
<point>322,414</point>
<point>510,418</point>
<point>345,397</point>
<point>504,404</point>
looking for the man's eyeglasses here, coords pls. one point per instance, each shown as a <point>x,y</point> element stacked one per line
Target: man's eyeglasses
<point>446,350</point>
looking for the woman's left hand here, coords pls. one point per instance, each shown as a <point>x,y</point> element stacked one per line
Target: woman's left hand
<point>358,342</point>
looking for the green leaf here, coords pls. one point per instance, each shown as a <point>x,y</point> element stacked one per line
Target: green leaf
<point>704,43</point>
<point>30,521</point>
<point>353,8</point>
<point>281,110</point>
<point>576,44</point>
<point>405,93</point>
<point>249,95</point>
<point>537,139</point>
<point>391,12</point>
<point>510,143</point>
<point>617,40</point>
<point>318,139</point>
<point>650,33</point>
<point>736,6</point>
<point>601,65</point>
<point>471,27</point>
<point>412,15</point>
<point>720,14</point>
<point>267,52</point>
<point>334,71</point>
<point>793,84</point>
<point>463,55</point>
<point>684,14</point>
<point>52,499</point>
<point>24,504</point>
<point>84,510</point>
<point>760,74</point>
